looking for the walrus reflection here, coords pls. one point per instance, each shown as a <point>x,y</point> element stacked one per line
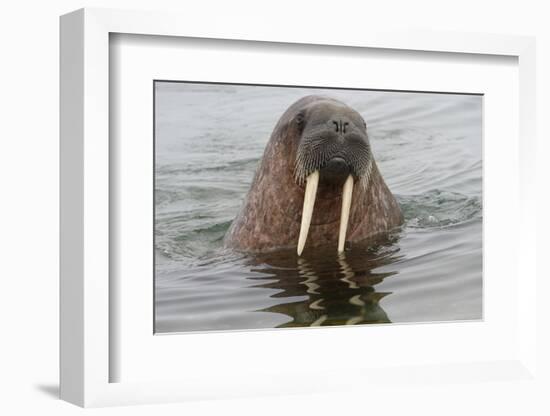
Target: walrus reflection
<point>331,289</point>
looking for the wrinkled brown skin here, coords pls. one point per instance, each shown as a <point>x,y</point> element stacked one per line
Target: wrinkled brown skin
<point>270,216</point>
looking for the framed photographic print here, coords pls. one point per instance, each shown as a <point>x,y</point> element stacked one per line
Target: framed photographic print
<point>236,190</point>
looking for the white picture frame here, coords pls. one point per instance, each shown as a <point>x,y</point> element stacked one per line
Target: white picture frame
<point>86,333</point>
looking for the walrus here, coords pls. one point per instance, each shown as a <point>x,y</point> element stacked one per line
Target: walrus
<point>317,183</point>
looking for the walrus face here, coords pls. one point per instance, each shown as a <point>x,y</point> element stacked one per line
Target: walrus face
<point>334,141</point>
<point>333,152</point>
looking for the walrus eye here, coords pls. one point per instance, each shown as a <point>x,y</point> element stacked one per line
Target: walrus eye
<point>300,118</point>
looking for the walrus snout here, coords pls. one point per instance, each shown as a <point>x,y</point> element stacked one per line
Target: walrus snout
<point>338,150</point>
<point>335,171</point>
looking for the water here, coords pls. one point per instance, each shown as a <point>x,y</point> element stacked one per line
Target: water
<point>209,139</point>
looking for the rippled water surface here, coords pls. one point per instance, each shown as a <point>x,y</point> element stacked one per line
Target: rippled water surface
<point>209,139</point>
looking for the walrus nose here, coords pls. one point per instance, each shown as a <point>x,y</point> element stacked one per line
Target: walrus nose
<point>339,126</point>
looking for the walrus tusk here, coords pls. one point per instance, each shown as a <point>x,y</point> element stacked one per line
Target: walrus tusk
<point>307,211</point>
<point>344,217</point>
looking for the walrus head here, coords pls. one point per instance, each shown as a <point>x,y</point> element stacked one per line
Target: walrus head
<point>333,140</point>
<point>317,180</point>
<point>333,150</point>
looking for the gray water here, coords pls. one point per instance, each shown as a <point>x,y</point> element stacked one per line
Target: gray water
<point>208,141</point>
